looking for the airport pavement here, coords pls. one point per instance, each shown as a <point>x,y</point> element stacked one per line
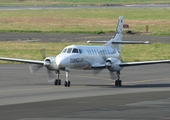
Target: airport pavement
<point>145,94</point>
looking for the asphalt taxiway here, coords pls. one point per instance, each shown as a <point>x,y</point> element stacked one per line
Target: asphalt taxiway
<point>43,37</point>
<point>145,94</point>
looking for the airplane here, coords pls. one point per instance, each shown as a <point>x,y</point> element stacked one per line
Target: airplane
<point>86,57</point>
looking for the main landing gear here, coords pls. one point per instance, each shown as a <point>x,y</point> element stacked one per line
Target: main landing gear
<point>118,82</point>
<point>58,81</point>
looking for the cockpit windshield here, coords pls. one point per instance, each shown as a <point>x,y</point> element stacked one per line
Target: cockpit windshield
<point>64,50</point>
<point>71,50</point>
<point>75,50</point>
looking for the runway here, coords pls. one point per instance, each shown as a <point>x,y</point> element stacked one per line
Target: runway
<point>147,6</point>
<point>145,94</point>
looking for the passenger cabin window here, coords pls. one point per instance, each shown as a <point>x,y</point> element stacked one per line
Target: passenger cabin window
<point>80,50</point>
<point>95,52</point>
<point>107,52</point>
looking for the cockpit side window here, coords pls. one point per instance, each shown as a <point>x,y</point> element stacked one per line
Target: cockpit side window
<point>64,50</point>
<point>75,50</point>
<point>69,50</point>
<point>80,51</point>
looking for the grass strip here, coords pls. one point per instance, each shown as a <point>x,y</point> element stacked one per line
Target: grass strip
<point>85,20</point>
<point>31,50</point>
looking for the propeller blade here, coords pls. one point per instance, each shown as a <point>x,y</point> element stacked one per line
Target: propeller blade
<point>97,71</point>
<point>113,75</point>
<point>34,68</point>
<point>51,76</point>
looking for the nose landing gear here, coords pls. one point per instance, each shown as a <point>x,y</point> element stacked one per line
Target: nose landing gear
<point>67,82</point>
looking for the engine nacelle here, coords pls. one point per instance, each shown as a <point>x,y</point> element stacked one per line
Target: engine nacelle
<point>112,64</point>
<point>50,63</point>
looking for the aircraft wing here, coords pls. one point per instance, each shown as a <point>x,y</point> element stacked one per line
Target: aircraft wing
<point>126,64</point>
<point>23,60</point>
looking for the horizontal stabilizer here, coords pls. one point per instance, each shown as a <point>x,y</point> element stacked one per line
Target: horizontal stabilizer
<point>97,42</point>
<point>121,42</point>
<point>131,42</point>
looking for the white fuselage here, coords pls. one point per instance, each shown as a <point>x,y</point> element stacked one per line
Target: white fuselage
<point>83,57</point>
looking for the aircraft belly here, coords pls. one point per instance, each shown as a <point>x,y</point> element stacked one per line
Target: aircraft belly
<point>80,65</point>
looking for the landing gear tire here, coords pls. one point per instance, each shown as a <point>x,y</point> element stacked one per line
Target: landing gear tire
<point>57,82</point>
<point>118,83</point>
<point>67,84</point>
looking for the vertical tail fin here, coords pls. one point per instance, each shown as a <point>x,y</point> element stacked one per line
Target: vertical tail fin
<point>118,36</point>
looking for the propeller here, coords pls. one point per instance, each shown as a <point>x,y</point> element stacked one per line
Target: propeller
<point>113,75</point>
<point>51,76</point>
<point>97,71</point>
<point>35,68</point>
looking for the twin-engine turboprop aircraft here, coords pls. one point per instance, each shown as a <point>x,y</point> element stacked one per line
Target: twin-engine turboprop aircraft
<point>89,57</point>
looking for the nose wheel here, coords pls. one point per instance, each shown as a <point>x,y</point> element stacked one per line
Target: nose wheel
<point>67,82</point>
<point>118,82</point>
